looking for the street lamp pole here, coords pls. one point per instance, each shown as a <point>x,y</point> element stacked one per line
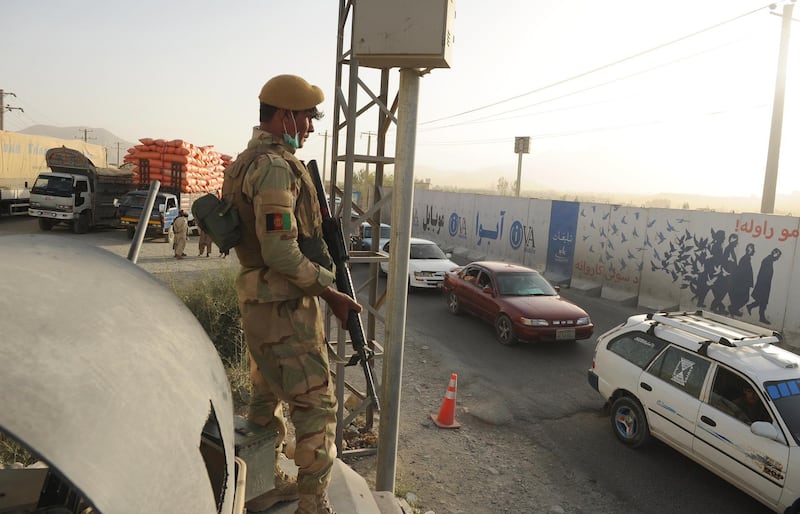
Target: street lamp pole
<point>521,145</point>
<point>773,153</point>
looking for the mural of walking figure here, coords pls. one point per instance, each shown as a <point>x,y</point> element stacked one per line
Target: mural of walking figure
<point>763,286</point>
<point>726,266</point>
<point>742,281</point>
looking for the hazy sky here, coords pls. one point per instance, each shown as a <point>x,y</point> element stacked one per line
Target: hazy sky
<point>674,114</point>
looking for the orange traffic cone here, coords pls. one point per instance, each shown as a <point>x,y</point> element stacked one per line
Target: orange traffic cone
<point>447,412</point>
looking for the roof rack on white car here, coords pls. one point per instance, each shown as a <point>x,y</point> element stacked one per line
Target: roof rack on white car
<point>715,328</point>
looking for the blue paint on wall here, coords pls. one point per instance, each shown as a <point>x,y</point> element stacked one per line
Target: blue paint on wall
<point>561,241</point>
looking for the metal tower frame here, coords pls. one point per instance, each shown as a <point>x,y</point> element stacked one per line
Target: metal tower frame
<point>347,112</point>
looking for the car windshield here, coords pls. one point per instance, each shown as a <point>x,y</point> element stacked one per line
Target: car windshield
<point>785,394</point>
<point>427,251</point>
<point>523,284</point>
<point>54,186</point>
<point>367,231</point>
<point>134,200</point>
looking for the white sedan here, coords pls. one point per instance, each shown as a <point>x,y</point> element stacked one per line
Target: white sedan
<point>427,264</point>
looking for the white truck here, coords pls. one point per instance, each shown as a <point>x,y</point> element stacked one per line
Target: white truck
<point>78,193</point>
<point>22,159</point>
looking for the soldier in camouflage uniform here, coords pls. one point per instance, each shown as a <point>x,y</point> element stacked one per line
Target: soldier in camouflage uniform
<point>285,268</point>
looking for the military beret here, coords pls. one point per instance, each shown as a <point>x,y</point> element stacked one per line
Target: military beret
<point>290,92</point>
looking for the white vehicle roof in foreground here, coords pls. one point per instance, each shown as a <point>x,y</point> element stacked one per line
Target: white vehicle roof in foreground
<point>743,346</point>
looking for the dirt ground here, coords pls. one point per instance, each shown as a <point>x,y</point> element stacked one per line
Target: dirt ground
<point>477,468</point>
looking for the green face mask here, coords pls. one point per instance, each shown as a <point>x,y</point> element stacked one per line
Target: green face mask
<point>291,141</point>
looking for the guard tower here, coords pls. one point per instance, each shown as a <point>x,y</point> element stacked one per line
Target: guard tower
<point>375,36</point>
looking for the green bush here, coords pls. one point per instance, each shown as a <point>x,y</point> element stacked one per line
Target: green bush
<point>213,301</point>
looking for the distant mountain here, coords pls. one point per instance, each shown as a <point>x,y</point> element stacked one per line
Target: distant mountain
<point>115,145</point>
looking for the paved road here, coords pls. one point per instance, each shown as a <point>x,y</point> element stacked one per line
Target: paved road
<point>545,389</point>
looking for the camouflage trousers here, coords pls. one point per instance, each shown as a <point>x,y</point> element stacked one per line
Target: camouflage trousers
<point>289,362</point>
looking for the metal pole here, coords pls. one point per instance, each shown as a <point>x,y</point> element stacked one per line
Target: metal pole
<point>325,162</point>
<point>402,204</point>
<point>773,154</point>
<point>519,173</point>
<point>144,217</point>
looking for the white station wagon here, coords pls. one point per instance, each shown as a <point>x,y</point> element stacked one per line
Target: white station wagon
<point>716,389</point>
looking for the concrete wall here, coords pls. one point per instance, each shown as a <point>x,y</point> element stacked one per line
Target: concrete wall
<point>740,265</point>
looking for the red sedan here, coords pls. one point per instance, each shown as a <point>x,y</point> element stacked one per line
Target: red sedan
<point>520,303</point>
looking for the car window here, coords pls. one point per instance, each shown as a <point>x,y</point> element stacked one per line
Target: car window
<point>426,251</point>
<point>471,275</point>
<point>524,284</point>
<point>785,396</point>
<point>637,348</point>
<point>684,370</point>
<point>484,280</point>
<point>735,396</point>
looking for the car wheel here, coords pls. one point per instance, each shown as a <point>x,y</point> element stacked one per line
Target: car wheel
<point>169,237</point>
<point>504,330</point>
<point>629,422</point>
<point>453,304</point>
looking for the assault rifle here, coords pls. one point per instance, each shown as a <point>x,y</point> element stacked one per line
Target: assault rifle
<point>334,238</point>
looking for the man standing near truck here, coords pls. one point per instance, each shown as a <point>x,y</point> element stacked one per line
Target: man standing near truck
<point>180,227</point>
<point>286,268</point>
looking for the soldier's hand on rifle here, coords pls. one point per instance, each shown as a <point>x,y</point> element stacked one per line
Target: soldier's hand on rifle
<point>340,303</point>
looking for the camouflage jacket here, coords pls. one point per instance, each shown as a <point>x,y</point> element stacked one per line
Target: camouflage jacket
<point>285,208</point>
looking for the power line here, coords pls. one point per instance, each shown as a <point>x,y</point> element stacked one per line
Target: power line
<point>609,128</point>
<point>595,70</point>
<point>491,117</point>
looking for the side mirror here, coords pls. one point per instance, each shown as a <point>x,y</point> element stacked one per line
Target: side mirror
<point>162,208</point>
<point>116,202</point>
<point>557,288</point>
<point>448,255</point>
<point>768,430</point>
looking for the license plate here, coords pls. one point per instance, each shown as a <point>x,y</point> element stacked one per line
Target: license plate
<point>565,334</point>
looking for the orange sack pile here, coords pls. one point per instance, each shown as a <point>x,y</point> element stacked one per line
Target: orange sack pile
<point>178,164</point>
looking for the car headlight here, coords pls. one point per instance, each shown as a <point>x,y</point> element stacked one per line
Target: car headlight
<point>423,274</point>
<point>583,321</point>
<point>64,207</point>
<point>533,322</point>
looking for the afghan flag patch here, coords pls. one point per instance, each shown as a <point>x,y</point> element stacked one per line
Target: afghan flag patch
<point>279,222</point>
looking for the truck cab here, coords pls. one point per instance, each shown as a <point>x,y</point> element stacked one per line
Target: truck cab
<point>165,210</point>
<point>76,192</point>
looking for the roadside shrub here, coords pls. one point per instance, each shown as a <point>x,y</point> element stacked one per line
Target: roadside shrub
<point>212,299</point>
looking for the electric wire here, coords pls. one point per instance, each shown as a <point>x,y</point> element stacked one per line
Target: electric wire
<point>600,68</point>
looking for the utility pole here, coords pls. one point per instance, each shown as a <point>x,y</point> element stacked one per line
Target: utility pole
<point>86,134</point>
<point>369,145</point>
<point>774,149</point>
<point>325,158</point>
<point>117,145</point>
<point>4,108</point>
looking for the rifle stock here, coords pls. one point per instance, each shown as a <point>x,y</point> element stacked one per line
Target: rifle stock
<point>334,238</point>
